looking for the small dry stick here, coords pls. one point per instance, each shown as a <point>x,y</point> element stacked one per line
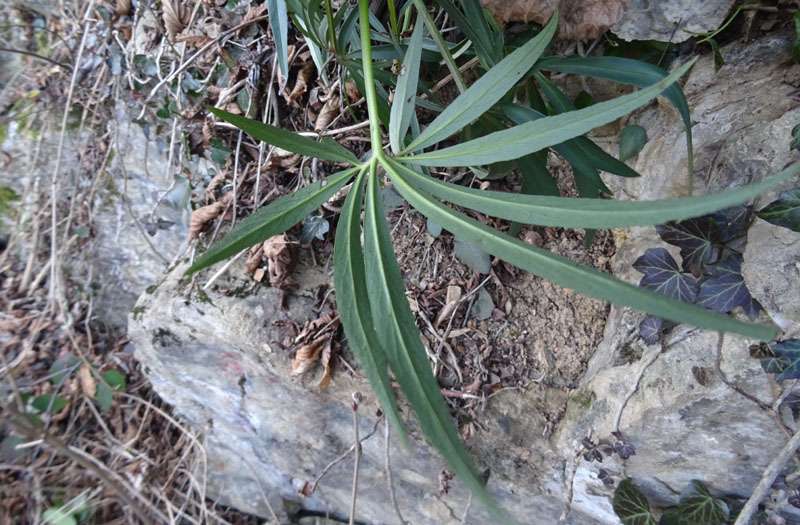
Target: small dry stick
<point>356,401</point>
<point>389,473</point>
<point>773,469</point>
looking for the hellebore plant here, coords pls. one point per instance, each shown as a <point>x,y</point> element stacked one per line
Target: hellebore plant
<point>370,292</point>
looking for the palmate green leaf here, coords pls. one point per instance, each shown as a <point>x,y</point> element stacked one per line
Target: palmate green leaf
<point>352,300</point>
<point>697,507</point>
<point>275,218</point>
<point>627,71</point>
<point>406,92</point>
<point>785,211</point>
<point>586,175</point>
<point>327,149</point>
<point>279,21</point>
<point>398,335</point>
<point>486,91</point>
<point>520,140</point>
<point>630,505</point>
<point>563,271</point>
<point>588,213</point>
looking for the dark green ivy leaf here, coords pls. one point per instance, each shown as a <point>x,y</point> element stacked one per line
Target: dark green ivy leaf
<point>789,352</point>
<point>785,211</point>
<point>795,143</point>
<point>630,505</point>
<point>42,403</point>
<point>314,226</point>
<point>697,507</point>
<point>725,289</point>
<point>695,238</point>
<point>732,222</point>
<point>631,141</point>
<point>650,329</point>
<point>662,275</point>
<point>219,151</point>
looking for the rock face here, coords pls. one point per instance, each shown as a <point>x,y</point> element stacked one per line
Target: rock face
<point>210,358</point>
<point>143,219</point>
<point>663,20</point>
<point>219,360</point>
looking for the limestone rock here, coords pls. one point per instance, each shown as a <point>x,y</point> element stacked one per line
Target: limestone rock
<point>663,20</point>
<point>771,271</point>
<point>207,357</point>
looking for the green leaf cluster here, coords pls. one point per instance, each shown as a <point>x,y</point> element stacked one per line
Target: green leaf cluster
<point>369,287</point>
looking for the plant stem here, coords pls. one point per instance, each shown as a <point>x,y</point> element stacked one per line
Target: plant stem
<point>331,33</point>
<point>369,79</point>
<point>437,36</point>
<point>393,20</point>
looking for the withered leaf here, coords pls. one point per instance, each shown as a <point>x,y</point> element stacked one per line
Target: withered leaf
<point>309,354</point>
<point>87,382</point>
<point>254,12</point>
<point>201,216</point>
<point>304,76</point>
<point>176,17</point>
<point>280,259</point>
<point>328,113</point>
<point>579,19</point>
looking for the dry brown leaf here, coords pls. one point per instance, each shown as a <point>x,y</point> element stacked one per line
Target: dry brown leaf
<point>259,274</point>
<point>87,382</point>
<point>280,259</point>
<point>195,41</point>
<point>304,76</point>
<point>307,355</point>
<point>311,329</point>
<point>352,92</point>
<point>254,259</point>
<point>450,304</point>
<point>122,8</point>
<point>201,216</point>
<point>254,12</point>
<point>215,181</point>
<point>328,113</point>
<point>579,19</point>
<point>326,363</point>
<point>175,16</point>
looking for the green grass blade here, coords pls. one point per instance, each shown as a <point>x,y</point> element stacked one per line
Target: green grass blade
<point>275,218</point>
<point>397,333</point>
<point>327,149</point>
<point>588,213</point>
<point>406,92</point>
<point>486,91</point>
<point>565,272</point>
<point>279,21</point>
<point>527,138</point>
<point>352,300</point>
<point>632,72</point>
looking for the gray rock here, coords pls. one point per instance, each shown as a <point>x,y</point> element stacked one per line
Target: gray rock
<point>220,361</point>
<point>771,270</point>
<point>140,194</point>
<point>664,20</point>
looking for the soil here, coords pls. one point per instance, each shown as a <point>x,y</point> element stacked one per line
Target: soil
<point>538,332</point>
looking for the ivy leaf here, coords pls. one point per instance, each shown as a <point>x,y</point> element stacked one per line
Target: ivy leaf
<point>697,507</point>
<point>477,259</point>
<point>631,141</point>
<point>725,289</point>
<point>219,151</point>
<point>631,506</point>
<point>795,143</point>
<point>732,222</point>
<point>695,238</point>
<point>662,275</point>
<point>484,305</point>
<point>314,226</point>
<point>785,211</point>
<point>789,352</point>
<point>650,329</point>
